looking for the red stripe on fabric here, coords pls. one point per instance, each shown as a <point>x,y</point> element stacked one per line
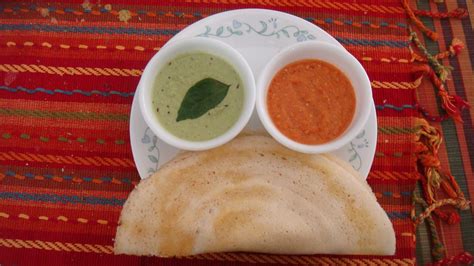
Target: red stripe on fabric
<point>403,97</point>
<point>62,123</point>
<point>377,37</point>
<point>53,132</point>
<point>393,164</point>
<point>13,256</point>
<point>54,146</point>
<point>392,183</point>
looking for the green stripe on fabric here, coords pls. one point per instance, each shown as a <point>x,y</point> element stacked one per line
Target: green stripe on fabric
<point>398,130</point>
<point>67,115</point>
<point>452,146</point>
<point>423,250</point>
<point>457,170</point>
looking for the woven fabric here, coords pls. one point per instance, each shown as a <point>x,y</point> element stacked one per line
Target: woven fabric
<point>457,150</point>
<point>68,73</point>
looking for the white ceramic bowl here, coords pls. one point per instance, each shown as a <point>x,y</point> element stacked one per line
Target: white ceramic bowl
<point>205,45</point>
<point>334,55</point>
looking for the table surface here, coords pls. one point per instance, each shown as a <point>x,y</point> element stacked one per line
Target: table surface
<point>68,72</point>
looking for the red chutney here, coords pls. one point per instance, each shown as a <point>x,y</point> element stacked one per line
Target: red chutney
<point>311,101</point>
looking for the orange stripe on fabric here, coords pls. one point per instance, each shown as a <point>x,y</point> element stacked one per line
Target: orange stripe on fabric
<point>372,36</point>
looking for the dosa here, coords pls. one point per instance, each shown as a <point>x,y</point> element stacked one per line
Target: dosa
<point>253,195</point>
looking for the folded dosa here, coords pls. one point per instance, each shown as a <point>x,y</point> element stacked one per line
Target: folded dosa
<point>253,195</point>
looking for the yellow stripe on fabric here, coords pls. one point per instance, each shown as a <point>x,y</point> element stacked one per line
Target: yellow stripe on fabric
<point>394,85</point>
<point>137,72</point>
<point>56,246</point>
<point>88,71</point>
<point>61,218</point>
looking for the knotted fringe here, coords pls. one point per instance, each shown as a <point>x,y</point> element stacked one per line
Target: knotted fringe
<point>452,104</point>
<point>428,140</point>
<point>438,74</point>
<point>417,22</point>
<point>412,14</point>
<point>438,248</point>
<point>454,49</point>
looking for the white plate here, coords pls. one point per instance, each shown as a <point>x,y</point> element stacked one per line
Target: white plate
<point>258,34</point>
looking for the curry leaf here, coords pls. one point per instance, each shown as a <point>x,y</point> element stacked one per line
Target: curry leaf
<point>202,97</point>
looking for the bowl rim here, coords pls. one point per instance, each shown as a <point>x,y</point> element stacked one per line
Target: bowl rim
<point>188,45</point>
<point>265,78</point>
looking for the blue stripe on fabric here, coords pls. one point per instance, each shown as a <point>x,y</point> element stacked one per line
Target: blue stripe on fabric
<point>393,107</point>
<point>62,198</point>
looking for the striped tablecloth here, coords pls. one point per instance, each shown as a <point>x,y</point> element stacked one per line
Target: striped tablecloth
<point>68,73</point>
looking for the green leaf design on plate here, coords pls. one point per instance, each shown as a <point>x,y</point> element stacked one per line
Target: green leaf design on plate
<point>202,97</point>
<point>152,158</point>
<point>219,31</point>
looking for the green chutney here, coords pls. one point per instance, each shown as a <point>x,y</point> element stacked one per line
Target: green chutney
<point>177,77</point>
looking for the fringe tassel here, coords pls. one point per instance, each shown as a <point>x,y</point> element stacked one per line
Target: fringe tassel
<point>441,70</point>
<point>438,74</point>
<point>461,204</point>
<point>454,49</point>
<point>428,140</point>
<point>417,22</point>
<point>452,104</point>
<point>412,14</point>
<point>438,249</point>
